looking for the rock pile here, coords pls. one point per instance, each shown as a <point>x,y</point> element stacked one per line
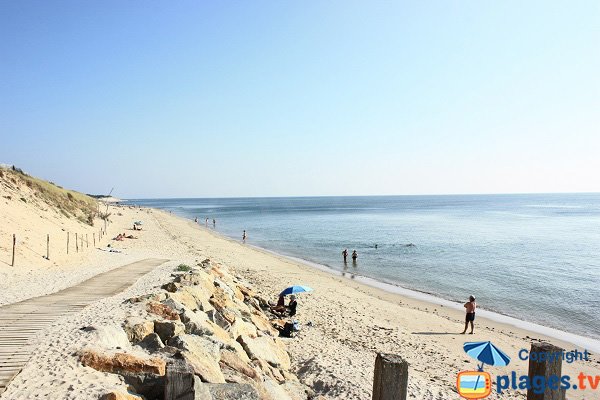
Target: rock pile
<point>213,324</point>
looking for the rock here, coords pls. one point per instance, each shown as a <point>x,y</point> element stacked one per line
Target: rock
<point>162,310</point>
<point>115,395</point>
<point>185,298</point>
<point>110,337</point>
<point>202,355</point>
<point>198,345</point>
<point>201,295</point>
<point>137,328</point>
<point>151,343</point>
<point>276,391</point>
<point>227,391</point>
<point>197,278</point>
<point>167,329</point>
<point>241,327</point>
<point>121,362</point>
<point>218,318</point>
<point>297,391</point>
<point>151,386</point>
<point>174,304</point>
<point>269,349</point>
<point>233,361</point>
<point>171,287</point>
<point>238,293</point>
<point>263,324</point>
<point>196,323</point>
<point>220,300</point>
<point>146,297</point>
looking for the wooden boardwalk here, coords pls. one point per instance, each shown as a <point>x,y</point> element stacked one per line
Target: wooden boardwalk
<point>21,322</point>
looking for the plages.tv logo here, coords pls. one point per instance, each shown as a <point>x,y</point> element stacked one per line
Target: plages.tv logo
<point>478,384</point>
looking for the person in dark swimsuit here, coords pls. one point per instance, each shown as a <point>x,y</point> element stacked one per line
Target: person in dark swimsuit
<point>292,306</point>
<point>470,307</point>
<point>345,255</point>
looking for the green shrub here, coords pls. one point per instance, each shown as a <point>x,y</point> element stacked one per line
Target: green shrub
<point>184,268</point>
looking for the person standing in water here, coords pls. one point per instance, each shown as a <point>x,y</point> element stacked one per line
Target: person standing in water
<point>354,255</point>
<point>244,236</point>
<point>345,255</point>
<point>214,222</point>
<point>470,307</point>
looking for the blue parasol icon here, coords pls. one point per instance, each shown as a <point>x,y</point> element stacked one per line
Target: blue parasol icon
<point>487,353</point>
<point>295,289</point>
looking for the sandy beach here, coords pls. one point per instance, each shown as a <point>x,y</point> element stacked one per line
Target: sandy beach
<point>345,323</point>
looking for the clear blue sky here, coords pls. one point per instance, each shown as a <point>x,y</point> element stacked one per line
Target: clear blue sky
<point>279,98</point>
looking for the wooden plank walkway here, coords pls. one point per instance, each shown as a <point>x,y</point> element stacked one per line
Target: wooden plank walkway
<point>21,322</point>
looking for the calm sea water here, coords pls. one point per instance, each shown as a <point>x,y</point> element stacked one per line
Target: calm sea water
<point>534,257</point>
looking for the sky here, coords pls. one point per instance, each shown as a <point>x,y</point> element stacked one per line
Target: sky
<point>298,98</point>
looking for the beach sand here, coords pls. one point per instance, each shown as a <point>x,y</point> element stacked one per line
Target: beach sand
<point>350,322</point>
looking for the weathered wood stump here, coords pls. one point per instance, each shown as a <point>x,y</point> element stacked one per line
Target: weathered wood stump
<point>391,377</point>
<point>546,368</point>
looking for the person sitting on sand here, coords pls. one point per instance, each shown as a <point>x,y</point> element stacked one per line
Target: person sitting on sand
<point>470,307</point>
<point>292,306</point>
<point>119,237</point>
<point>280,307</point>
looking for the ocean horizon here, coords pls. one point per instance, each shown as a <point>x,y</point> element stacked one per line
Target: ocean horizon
<point>533,257</point>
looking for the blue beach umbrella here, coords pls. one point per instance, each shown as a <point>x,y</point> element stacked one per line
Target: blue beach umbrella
<point>487,353</point>
<point>295,289</point>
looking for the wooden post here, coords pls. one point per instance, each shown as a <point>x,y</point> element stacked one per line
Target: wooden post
<point>68,234</point>
<point>48,247</point>
<point>548,367</point>
<point>12,264</point>
<point>391,377</point>
<point>179,381</point>
<point>94,238</point>
<point>87,242</point>
<point>81,236</point>
<point>76,243</point>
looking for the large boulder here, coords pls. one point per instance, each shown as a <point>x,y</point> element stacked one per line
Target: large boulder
<point>203,356</point>
<point>110,337</point>
<point>118,395</point>
<point>232,360</point>
<point>121,363</point>
<point>137,328</point>
<point>263,324</point>
<point>167,329</point>
<point>277,391</point>
<point>241,327</point>
<point>185,298</point>
<point>151,343</point>
<point>269,349</point>
<point>162,310</point>
<point>227,391</point>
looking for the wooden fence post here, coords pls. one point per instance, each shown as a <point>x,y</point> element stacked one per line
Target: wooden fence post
<point>179,381</point>
<point>48,247</point>
<point>12,264</point>
<point>547,367</point>
<point>76,243</point>
<point>391,377</point>
<point>68,234</point>
<point>94,238</point>
<point>87,242</point>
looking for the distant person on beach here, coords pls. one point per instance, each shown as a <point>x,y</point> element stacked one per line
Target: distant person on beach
<point>354,255</point>
<point>206,222</point>
<point>470,307</point>
<point>345,254</point>
<point>214,222</point>
<point>292,306</point>
<point>244,237</point>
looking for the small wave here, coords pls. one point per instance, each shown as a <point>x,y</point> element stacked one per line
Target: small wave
<point>552,206</point>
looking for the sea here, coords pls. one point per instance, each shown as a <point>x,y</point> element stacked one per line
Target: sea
<point>534,257</point>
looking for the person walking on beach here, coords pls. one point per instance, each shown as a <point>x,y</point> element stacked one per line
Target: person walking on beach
<point>206,222</point>
<point>470,307</point>
<point>354,255</point>
<point>244,236</point>
<point>345,255</point>
<point>214,222</point>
